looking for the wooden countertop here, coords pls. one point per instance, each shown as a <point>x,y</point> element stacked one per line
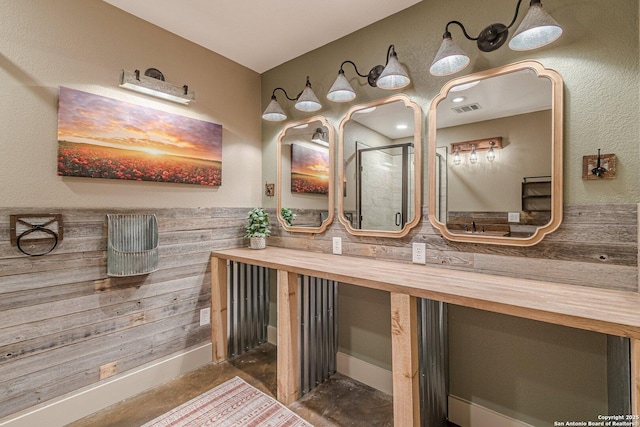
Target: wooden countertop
<point>601,310</point>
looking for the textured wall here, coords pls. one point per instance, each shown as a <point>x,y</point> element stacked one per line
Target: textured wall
<point>84,45</point>
<point>61,318</point>
<point>597,243</point>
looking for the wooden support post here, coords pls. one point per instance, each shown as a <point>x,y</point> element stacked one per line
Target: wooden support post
<point>404,345</point>
<point>219,308</point>
<point>635,376</point>
<point>288,326</point>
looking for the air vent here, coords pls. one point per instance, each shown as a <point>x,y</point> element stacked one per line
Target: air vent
<point>467,108</point>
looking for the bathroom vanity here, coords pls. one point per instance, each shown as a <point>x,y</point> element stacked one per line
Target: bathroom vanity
<point>600,310</point>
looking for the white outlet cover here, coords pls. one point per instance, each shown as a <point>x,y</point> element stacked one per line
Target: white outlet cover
<point>419,253</point>
<point>205,316</point>
<point>513,217</point>
<point>337,245</point>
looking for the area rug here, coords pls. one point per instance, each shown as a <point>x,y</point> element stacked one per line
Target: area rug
<point>231,404</point>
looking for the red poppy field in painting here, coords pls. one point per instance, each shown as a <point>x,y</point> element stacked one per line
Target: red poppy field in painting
<point>309,170</point>
<point>100,137</point>
<point>113,163</point>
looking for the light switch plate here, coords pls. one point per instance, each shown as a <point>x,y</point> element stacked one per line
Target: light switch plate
<point>337,245</point>
<point>514,217</point>
<point>419,253</point>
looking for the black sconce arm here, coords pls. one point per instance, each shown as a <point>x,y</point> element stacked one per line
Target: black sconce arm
<point>341,71</point>
<point>375,72</point>
<point>273,94</point>
<point>493,36</point>
<point>447,33</point>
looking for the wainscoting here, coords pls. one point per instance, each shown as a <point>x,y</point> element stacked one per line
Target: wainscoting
<point>596,245</point>
<point>65,325</point>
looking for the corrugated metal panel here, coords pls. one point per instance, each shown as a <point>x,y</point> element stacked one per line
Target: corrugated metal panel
<point>619,374</point>
<point>132,244</point>
<point>248,303</point>
<point>434,362</point>
<point>318,343</point>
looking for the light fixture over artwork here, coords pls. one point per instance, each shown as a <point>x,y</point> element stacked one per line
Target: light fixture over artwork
<point>320,137</point>
<point>537,29</point>
<point>152,83</point>
<point>306,101</point>
<point>390,76</point>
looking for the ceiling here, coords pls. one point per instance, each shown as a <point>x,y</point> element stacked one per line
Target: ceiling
<point>261,34</point>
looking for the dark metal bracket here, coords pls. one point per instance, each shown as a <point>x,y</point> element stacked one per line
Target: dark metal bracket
<point>35,234</point>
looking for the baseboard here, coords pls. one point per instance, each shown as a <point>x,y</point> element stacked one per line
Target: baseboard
<point>469,414</point>
<point>81,403</point>
<point>272,335</point>
<point>371,375</point>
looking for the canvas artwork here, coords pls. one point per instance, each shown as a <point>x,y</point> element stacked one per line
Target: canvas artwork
<point>309,169</point>
<point>100,137</point>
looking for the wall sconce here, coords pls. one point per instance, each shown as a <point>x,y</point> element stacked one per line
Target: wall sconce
<point>390,76</point>
<point>537,29</point>
<point>457,159</point>
<point>473,156</point>
<point>491,155</point>
<point>472,147</point>
<point>320,137</point>
<point>306,101</point>
<point>152,83</point>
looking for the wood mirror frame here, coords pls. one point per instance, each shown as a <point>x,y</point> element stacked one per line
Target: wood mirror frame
<point>304,127</point>
<point>415,114</point>
<point>556,119</point>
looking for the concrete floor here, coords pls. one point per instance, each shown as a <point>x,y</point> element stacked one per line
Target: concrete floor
<point>339,401</point>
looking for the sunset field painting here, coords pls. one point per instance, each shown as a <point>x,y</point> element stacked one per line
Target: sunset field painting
<point>309,169</point>
<point>100,137</point>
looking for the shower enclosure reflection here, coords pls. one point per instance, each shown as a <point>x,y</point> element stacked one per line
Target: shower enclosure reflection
<point>383,188</point>
<point>379,158</point>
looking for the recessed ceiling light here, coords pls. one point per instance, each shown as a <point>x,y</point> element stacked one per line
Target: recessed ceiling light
<point>401,126</point>
<point>458,99</point>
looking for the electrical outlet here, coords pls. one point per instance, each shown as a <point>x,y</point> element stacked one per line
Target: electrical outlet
<point>419,253</point>
<point>205,316</point>
<point>337,245</point>
<point>514,217</point>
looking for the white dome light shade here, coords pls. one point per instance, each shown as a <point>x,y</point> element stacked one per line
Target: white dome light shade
<point>273,112</point>
<point>464,86</point>
<point>449,59</point>
<point>341,91</point>
<point>308,101</point>
<point>394,76</point>
<point>537,29</point>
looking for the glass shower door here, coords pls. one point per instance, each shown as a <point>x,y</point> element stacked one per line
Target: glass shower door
<point>384,193</point>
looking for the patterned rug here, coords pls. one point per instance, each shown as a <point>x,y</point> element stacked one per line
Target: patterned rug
<point>231,404</point>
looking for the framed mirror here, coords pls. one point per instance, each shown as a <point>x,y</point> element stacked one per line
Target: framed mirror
<point>305,183</point>
<point>495,156</point>
<point>380,167</point>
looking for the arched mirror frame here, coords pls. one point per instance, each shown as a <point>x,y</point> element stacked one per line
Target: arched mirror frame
<point>330,195</point>
<point>417,138</point>
<point>556,155</point>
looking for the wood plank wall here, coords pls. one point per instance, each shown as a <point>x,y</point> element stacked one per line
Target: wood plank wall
<point>65,325</point>
<point>596,245</point>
